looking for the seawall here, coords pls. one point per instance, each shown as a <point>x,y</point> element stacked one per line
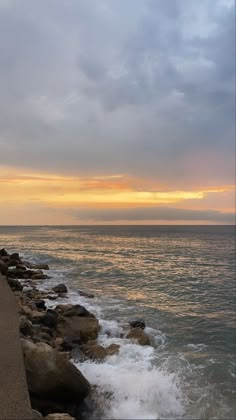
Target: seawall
<point>14,397</point>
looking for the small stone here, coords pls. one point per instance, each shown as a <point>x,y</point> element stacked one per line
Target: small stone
<point>15,284</point>
<point>59,416</point>
<point>60,288</point>
<point>3,253</point>
<point>40,303</point>
<point>85,294</point>
<point>139,335</point>
<point>137,323</point>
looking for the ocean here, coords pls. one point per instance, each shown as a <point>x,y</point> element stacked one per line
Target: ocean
<point>181,281</point>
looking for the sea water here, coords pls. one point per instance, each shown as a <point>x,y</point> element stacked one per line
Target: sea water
<point>181,281</point>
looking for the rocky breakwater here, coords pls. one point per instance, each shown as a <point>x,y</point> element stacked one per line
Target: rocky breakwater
<point>51,337</point>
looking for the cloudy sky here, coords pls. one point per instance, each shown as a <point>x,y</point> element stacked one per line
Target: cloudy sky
<point>117,111</point>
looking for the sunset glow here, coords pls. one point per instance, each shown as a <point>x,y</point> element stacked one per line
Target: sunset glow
<point>117,113</point>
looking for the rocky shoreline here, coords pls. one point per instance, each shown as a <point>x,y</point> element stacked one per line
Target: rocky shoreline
<point>52,337</point>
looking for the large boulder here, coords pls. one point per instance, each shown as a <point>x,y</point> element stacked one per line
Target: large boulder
<point>139,335</point>
<point>78,310</point>
<point>84,327</point>
<point>51,376</point>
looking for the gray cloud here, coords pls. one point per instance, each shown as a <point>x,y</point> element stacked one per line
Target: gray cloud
<point>152,214</point>
<point>140,87</point>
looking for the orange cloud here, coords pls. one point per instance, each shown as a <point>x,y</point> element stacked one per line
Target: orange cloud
<point>41,198</point>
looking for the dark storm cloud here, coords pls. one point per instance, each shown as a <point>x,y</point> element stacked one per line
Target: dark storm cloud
<point>152,214</point>
<point>141,87</point>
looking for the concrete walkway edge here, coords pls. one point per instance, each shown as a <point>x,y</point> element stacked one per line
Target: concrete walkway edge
<point>14,397</point>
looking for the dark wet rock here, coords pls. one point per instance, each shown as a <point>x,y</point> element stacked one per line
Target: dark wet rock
<point>36,317</point>
<point>139,335</point>
<point>86,328</point>
<point>47,330</point>
<point>15,263</point>
<point>137,323</point>
<point>5,259</point>
<point>78,310</point>
<point>3,252</point>
<point>70,343</point>
<point>60,288</point>
<point>19,266</point>
<point>51,376</point>
<point>15,256</point>
<point>62,295</point>
<point>40,303</point>
<point>15,284</point>
<point>50,318</point>
<point>25,326</point>
<point>51,297</point>
<point>85,294</point>
<point>3,268</point>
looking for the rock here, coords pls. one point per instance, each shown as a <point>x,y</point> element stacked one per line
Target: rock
<point>38,266</point>
<point>40,303</point>
<point>51,376</point>
<point>3,268</point>
<point>36,415</point>
<point>15,256</point>
<point>51,297</point>
<point>36,317</point>
<point>85,294</point>
<point>50,318</point>
<point>25,325</point>
<point>3,253</point>
<point>112,349</point>
<point>70,343</point>
<point>62,308</point>
<point>137,323</point>
<point>96,352</point>
<point>15,284</point>
<point>78,310</point>
<point>5,258</point>
<point>25,309</point>
<point>15,263</point>
<point>85,328</point>
<point>60,288</point>
<point>42,337</point>
<point>139,335</point>
<point>59,416</point>
<point>39,276</point>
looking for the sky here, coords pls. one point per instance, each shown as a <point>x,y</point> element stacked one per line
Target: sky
<point>117,112</point>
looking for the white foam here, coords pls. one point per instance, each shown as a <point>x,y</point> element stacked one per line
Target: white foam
<point>139,389</point>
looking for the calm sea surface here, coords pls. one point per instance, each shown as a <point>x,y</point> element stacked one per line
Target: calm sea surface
<point>181,280</point>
